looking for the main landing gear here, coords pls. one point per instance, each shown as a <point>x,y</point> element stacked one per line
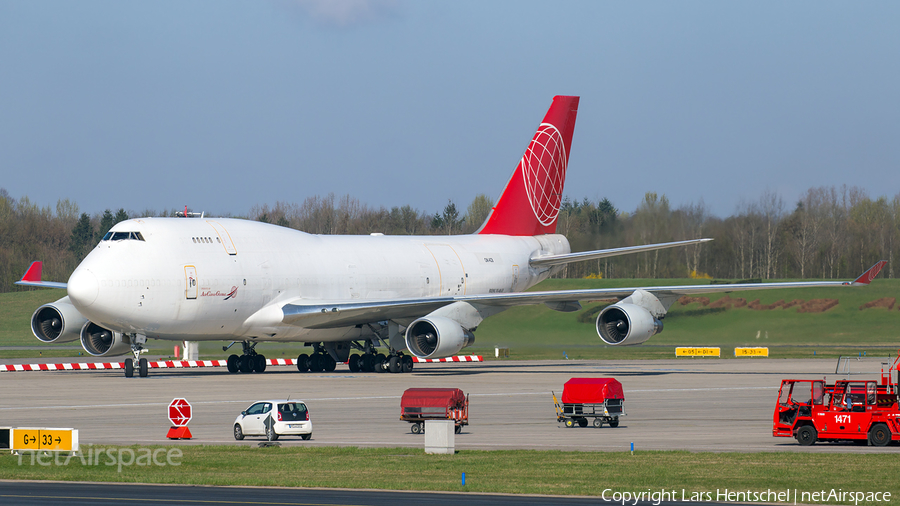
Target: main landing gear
<point>249,361</point>
<point>396,362</point>
<point>137,347</point>
<point>319,361</point>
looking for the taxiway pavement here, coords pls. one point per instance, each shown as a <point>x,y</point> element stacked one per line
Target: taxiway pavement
<point>694,404</point>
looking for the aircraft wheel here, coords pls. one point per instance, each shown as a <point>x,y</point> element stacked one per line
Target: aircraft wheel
<point>303,362</point>
<point>259,363</point>
<point>354,363</point>
<point>367,363</point>
<point>129,368</point>
<point>879,435</point>
<point>143,368</point>
<point>380,360</point>
<point>394,364</point>
<point>246,364</point>
<point>406,364</point>
<point>807,435</point>
<point>315,362</point>
<point>328,363</point>
<point>232,363</point>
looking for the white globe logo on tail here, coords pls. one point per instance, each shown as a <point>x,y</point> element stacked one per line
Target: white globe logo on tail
<point>544,172</point>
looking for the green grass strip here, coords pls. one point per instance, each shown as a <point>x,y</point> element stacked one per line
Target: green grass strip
<point>515,472</point>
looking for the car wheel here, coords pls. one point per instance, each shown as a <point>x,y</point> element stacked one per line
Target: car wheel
<point>232,363</point>
<point>598,422</point>
<point>457,429</point>
<point>303,362</point>
<point>270,434</point>
<point>582,422</point>
<point>238,433</point>
<point>807,435</point>
<point>416,428</point>
<point>879,435</point>
<point>306,437</point>
<point>570,423</point>
<point>129,368</point>
<point>614,422</point>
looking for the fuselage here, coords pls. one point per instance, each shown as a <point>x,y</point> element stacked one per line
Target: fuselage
<point>205,279</point>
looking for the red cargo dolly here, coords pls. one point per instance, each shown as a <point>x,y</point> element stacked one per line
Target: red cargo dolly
<point>599,398</point>
<point>420,404</point>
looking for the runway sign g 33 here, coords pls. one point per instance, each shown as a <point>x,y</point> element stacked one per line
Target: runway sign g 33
<point>43,439</point>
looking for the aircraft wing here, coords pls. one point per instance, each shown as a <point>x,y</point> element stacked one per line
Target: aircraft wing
<point>323,314</point>
<point>549,260</point>
<point>32,277</point>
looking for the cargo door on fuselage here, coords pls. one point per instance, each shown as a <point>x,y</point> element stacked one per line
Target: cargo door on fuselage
<point>450,267</point>
<point>191,285</point>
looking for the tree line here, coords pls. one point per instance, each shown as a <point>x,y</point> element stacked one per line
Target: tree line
<point>830,233</point>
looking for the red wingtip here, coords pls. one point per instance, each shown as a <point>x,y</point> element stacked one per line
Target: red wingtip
<point>870,274</point>
<point>34,272</point>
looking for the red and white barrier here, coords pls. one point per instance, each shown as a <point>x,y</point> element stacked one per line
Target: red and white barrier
<point>458,358</point>
<point>184,364</point>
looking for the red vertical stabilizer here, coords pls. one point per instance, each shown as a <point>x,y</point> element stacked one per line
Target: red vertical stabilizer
<point>530,202</point>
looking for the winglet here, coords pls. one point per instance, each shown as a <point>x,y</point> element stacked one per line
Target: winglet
<point>34,272</point>
<point>867,277</point>
<point>32,277</point>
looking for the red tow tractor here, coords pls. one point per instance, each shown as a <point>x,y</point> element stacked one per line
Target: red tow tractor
<point>848,410</point>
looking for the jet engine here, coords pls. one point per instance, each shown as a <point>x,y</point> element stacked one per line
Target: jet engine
<point>437,337</point>
<point>101,342</point>
<point>57,322</point>
<point>627,324</point>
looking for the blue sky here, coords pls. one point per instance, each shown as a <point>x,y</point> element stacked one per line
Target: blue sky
<point>225,105</point>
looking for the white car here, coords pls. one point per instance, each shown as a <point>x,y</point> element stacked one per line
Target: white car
<point>286,418</point>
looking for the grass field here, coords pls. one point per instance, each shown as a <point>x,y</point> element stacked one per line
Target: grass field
<point>536,332</point>
<point>519,471</point>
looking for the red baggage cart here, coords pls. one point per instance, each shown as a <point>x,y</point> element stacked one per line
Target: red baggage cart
<point>420,404</point>
<point>583,398</point>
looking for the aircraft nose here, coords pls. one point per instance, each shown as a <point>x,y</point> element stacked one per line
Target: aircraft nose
<point>83,288</point>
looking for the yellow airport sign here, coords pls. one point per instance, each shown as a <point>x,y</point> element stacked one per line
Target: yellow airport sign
<point>697,352</point>
<point>751,352</point>
<point>41,439</point>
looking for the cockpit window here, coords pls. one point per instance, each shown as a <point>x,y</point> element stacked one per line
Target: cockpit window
<point>123,236</point>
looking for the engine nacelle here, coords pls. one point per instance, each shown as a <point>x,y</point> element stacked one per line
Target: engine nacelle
<point>627,324</point>
<point>101,342</point>
<point>437,337</point>
<point>58,322</point>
